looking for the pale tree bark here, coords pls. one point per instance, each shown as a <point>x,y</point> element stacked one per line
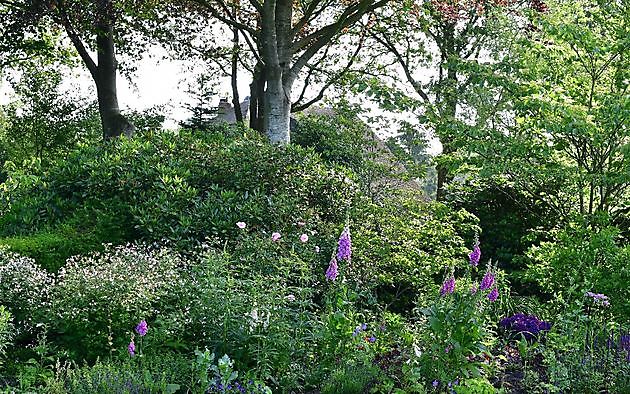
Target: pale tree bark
<point>281,52</point>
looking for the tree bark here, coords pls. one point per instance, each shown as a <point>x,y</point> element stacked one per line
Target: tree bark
<point>448,100</point>
<point>277,111</point>
<point>236,101</point>
<point>113,122</point>
<point>257,98</point>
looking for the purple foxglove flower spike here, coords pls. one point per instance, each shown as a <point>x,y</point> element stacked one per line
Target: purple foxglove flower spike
<point>344,249</point>
<point>475,255</point>
<point>131,349</point>
<point>493,295</point>
<point>448,286</point>
<point>487,281</point>
<point>142,328</point>
<point>332,271</point>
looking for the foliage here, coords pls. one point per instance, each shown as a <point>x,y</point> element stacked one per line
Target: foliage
<point>97,296</point>
<point>7,332</point>
<point>51,249</point>
<point>565,84</point>
<point>24,288</point>
<point>459,330</point>
<point>403,245</point>
<point>222,378</point>
<point>43,123</point>
<point>580,260</point>
<point>182,187</point>
<point>510,221</point>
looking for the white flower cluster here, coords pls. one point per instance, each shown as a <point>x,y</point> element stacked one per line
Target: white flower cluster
<point>122,281</point>
<point>25,287</point>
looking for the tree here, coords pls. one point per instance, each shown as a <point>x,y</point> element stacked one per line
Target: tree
<point>436,48</point>
<point>564,138</point>
<point>283,36</point>
<point>97,25</point>
<point>43,123</point>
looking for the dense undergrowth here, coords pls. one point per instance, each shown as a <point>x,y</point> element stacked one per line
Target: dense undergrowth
<point>213,262</point>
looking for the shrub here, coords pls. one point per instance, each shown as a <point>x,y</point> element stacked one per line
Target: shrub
<point>583,260</point>
<point>183,187</point>
<point>25,288</point>
<point>51,249</point>
<point>6,332</point>
<point>98,296</point>
<point>402,245</point>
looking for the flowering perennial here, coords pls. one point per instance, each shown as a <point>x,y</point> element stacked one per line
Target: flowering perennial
<point>599,299</point>
<point>487,281</point>
<point>344,250</point>
<point>131,349</point>
<point>332,271</point>
<point>142,328</point>
<point>448,286</point>
<point>475,255</point>
<point>529,326</point>
<point>493,295</point>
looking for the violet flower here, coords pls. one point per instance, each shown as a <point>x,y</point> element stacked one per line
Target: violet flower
<point>493,295</point>
<point>487,281</point>
<point>142,328</point>
<point>131,349</point>
<point>332,271</point>
<point>475,255</point>
<point>344,250</point>
<point>448,286</point>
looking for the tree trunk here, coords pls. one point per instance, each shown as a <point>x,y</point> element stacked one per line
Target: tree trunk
<point>448,108</point>
<point>113,122</point>
<point>236,101</point>
<point>277,116</point>
<point>257,99</point>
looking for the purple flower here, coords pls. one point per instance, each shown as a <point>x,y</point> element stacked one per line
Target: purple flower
<point>598,299</point>
<point>493,295</point>
<point>435,383</point>
<point>448,286</point>
<point>372,339</point>
<point>131,349</point>
<point>142,328</point>
<point>304,238</point>
<point>487,281</point>
<point>241,225</point>
<point>332,271</point>
<point>527,325</point>
<point>475,255</point>
<point>344,250</point>
<point>275,236</point>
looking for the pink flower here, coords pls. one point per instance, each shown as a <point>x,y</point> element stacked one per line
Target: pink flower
<point>275,236</point>
<point>301,224</point>
<point>304,238</point>
<point>241,225</point>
